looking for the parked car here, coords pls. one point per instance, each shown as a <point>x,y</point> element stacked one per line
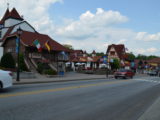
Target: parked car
<point>5,79</point>
<point>153,72</point>
<point>123,73</point>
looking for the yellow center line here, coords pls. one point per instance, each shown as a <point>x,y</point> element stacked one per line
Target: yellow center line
<point>58,89</point>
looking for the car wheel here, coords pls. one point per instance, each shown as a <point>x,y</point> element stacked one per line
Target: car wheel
<point>124,77</point>
<point>1,85</point>
<point>115,77</point>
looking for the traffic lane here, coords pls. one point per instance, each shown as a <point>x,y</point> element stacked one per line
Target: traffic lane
<point>30,87</point>
<point>56,85</point>
<point>130,108</point>
<point>83,103</point>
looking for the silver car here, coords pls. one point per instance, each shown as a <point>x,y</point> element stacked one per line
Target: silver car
<point>5,79</point>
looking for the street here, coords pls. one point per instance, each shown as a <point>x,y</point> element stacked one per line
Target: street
<point>107,99</point>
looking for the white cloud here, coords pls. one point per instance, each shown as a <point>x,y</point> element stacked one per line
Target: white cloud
<point>140,51</point>
<point>34,11</point>
<point>91,31</point>
<point>122,41</point>
<point>144,36</point>
<point>146,51</point>
<point>152,50</point>
<point>89,24</point>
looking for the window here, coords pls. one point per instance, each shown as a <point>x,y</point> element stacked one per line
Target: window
<point>10,50</point>
<point>112,53</point>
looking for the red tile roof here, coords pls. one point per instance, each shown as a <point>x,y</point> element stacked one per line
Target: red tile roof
<point>94,52</point>
<point>84,52</point>
<point>5,16</point>
<point>154,60</point>
<point>78,51</point>
<point>13,14</point>
<point>120,49</point>
<point>76,59</point>
<point>27,39</point>
<point>86,59</point>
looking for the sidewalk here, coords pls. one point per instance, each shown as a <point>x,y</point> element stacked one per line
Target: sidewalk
<point>66,77</point>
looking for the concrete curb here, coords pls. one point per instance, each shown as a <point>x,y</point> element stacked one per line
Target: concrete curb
<point>52,81</point>
<point>35,81</point>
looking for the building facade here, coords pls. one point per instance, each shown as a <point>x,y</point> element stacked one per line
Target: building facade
<point>118,52</point>
<point>80,59</point>
<point>54,54</point>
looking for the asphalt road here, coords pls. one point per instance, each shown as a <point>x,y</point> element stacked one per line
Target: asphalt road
<point>80,100</point>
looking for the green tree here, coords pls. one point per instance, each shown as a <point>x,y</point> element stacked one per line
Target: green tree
<point>22,64</point>
<point>144,57</point>
<point>68,46</point>
<point>100,54</point>
<point>115,64</point>
<point>7,61</point>
<point>131,56</point>
<point>152,56</point>
<point>141,57</point>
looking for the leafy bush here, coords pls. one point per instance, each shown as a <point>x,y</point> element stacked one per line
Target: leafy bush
<point>22,64</point>
<point>115,64</point>
<point>7,61</point>
<point>40,68</point>
<point>50,72</point>
<point>43,68</point>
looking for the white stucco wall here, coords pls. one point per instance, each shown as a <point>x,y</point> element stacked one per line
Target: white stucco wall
<point>113,50</point>
<point>10,22</point>
<point>24,26</point>
<point>4,30</point>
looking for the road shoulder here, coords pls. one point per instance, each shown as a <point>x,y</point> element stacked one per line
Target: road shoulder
<point>153,112</point>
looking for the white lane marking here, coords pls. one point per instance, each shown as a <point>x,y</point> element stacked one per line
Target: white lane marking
<point>151,80</point>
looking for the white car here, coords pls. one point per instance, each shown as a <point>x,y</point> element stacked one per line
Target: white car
<point>5,79</point>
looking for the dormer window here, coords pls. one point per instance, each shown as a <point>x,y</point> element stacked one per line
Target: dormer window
<point>112,53</point>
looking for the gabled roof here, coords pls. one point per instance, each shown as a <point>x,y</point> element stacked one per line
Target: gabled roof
<point>86,59</point>
<point>8,33</point>
<point>154,60</point>
<point>13,14</point>
<point>5,16</point>
<point>27,39</point>
<point>94,52</point>
<point>78,51</point>
<point>120,49</point>
<point>76,59</point>
<point>84,52</point>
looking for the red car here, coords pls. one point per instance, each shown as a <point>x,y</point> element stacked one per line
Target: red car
<point>122,73</point>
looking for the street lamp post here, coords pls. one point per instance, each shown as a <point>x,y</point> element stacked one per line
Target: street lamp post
<point>107,65</point>
<point>19,32</point>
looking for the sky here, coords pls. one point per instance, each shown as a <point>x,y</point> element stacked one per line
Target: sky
<point>94,24</point>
